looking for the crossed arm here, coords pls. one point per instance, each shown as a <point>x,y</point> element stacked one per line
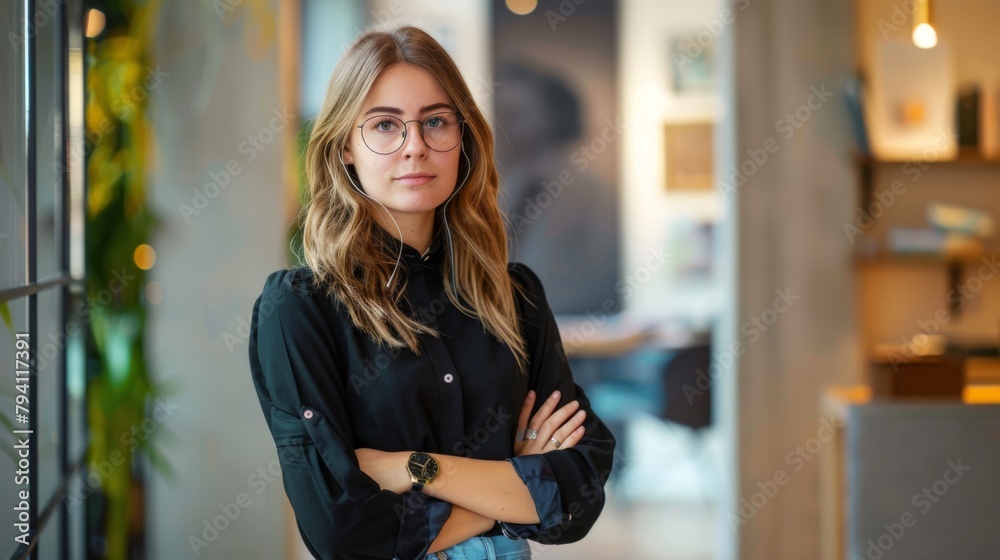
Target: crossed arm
<point>482,491</point>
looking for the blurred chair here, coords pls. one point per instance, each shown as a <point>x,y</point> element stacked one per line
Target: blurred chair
<point>621,388</point>
<point>687,401</point>
<point>655,383</point>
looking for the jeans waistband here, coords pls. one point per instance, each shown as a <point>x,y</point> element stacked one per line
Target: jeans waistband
<point>498,547</point>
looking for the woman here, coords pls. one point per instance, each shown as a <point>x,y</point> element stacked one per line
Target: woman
<point>389,369</point>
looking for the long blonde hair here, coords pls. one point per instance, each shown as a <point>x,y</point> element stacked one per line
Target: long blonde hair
<point>340,234</point>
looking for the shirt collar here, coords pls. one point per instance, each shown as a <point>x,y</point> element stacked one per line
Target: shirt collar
<point>410,255</point>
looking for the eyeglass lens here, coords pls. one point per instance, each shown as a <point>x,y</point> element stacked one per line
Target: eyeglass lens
<point>384,134</point>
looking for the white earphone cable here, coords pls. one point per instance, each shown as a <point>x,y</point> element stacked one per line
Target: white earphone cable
<point>363,193</point>
<point>444,213</point>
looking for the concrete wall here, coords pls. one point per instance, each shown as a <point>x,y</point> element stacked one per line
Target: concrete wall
<point>788,217</point>
<point>221,87</point>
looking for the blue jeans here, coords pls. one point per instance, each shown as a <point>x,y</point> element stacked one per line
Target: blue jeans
<point>485,548</point>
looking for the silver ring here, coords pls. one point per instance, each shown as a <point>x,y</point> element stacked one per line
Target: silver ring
<point>555,441</point>
<point>531,434</point>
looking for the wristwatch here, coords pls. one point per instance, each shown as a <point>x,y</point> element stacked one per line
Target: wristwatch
<point>423,468</point>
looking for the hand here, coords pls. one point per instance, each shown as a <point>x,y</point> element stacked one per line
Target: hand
<point>561,424</point>
<point>386,468</point>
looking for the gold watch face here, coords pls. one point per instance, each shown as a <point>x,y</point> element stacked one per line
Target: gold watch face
<point>422,466</point>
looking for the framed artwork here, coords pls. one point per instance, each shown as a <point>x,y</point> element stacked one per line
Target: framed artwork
<point>913,110</point>
<point>561,205</point>
<point>689,157</point>
<point>692,64</point>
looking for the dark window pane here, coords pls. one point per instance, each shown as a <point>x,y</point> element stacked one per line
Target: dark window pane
<point>48,142</point>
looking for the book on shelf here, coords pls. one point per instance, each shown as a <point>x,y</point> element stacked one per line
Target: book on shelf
<point>989,120</point>
<point>977,118</point>
<point>963,221</point>
<point>854,98</point>
<point>967,115</point>
<point>933,242</point>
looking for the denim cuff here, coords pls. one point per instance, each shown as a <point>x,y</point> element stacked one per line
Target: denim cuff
<point>421,520</point>
<point>536,473</point>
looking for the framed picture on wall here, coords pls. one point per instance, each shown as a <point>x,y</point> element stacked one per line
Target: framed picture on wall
<point>689,159</point>
<point>546,105</point>
<point>692,64</point>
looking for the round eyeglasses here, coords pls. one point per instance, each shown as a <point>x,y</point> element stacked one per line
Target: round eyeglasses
<point>384,134</point>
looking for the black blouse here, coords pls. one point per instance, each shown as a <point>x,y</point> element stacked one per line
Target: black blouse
<point>326,388</point>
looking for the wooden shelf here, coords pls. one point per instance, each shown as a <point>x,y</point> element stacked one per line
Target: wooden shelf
<point>966,156</point>
<point>922,260</point>
<point>954,265</point>
<point>867,165</point>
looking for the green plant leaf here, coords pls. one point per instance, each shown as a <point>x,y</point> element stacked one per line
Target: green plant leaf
<point>5,314</point>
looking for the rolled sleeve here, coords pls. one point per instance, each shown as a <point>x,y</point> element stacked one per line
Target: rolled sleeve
<point>420,524</point>
<point>573,479</point>
<point>340,511</point>
<point>537,475</point>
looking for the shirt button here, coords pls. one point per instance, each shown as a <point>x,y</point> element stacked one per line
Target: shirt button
<point>448,378</point>
<point>308,414</point>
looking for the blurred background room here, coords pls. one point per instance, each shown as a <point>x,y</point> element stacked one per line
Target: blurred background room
<point>766,228</point>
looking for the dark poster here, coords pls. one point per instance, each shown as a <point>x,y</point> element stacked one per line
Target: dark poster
<point>557,136</point>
